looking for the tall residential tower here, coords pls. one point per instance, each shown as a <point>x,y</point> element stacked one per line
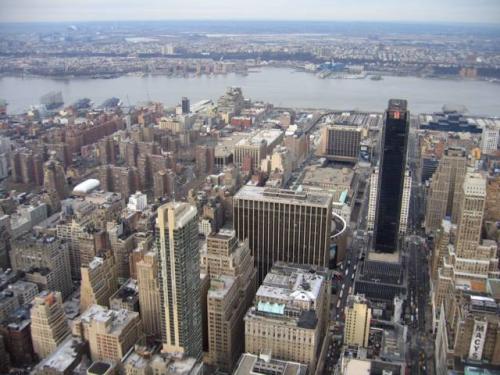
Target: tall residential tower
<point>179,275</point>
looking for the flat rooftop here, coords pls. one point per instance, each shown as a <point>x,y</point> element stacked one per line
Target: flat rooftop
<point>64,356</point>
<point>220,286</point>
<point>251,364</point>
<point>226,144</point>
<point>264,194</point>
<point>328,177</point>
<point>115,320</point>
<point>384,257</point>
<point>269,136</point>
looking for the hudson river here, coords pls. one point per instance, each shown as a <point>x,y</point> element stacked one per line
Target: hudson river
<point>280,86</point>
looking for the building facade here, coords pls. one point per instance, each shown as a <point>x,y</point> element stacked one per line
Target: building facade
<point>290,314</point>
<point>149,294</point>
<point>357,321</point>
<point>445,189</point>
<point>341,142</point>
<point>99,282</point>
<point>405,204</point>
<point>391,176</point>
<point>109,333</point>
<point>283,225</point>
<point>46,253</point>
<point>49,326</point>
<point>229,266</point>
<point>179,277</point>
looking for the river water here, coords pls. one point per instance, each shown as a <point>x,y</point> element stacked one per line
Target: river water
<point>280,86</point>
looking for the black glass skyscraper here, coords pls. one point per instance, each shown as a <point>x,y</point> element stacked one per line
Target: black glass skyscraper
<point>391,176</point>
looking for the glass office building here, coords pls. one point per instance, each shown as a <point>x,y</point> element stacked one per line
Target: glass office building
<point>391,179</point>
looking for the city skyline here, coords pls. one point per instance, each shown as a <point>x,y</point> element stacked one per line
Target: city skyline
<point>426,11</point>
<point>226,187</point>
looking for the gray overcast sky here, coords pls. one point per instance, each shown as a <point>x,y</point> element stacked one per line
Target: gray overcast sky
<point>477,11</point>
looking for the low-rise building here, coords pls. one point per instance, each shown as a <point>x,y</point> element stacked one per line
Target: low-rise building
<point>109,333</point>
<point>63,360</point>
<point>126,297</point>
<point>262,364</point>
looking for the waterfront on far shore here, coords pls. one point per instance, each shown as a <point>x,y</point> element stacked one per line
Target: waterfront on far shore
<point>279,86</point>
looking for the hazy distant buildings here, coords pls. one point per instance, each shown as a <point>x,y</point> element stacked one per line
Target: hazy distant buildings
<point>249,151</point>
<point>489,139</point>
<point>283,225</point>
<point>54,183</point>
<point>124,180</point>
<point>231,103</point>
<point>26,167</point>
<point>186,108</point>
<point>179,277</point>
<point>205,159</point>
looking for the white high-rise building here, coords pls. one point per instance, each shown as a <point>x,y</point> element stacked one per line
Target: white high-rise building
<point>137,201</point>
<point>489,139</point>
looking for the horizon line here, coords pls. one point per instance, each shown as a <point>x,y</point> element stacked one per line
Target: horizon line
<point>291,20</point>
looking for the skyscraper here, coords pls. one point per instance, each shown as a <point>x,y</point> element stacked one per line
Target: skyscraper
<point>48,323</point>
<point>228,264</point>
<point>283,225</point>
<point>179,275</point>
<point>54,182</point>
<point>149,293</point>
<point>405,204</point>
<point>471,215</point>
<point>445,189</point>
<point>391,176</point>
<point>185,106</point>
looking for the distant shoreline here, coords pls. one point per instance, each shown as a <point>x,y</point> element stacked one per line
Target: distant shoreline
<point>254,70</point>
